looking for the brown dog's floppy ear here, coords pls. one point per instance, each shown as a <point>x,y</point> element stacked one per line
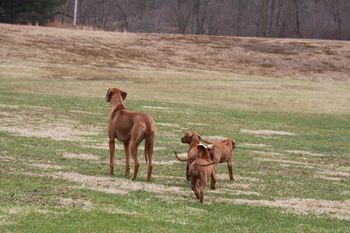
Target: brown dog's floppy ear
<point>233,144</point>
<point>108,95</point>
<point>201,147</point>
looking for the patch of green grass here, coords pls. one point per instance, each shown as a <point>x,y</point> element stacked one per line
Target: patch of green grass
<point>31,196</point>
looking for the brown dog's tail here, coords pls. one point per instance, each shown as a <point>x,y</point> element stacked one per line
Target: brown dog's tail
<point>149,141</point>
<point>182,160</point>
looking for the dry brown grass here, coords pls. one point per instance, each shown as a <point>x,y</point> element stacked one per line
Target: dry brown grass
<point>271,57</point>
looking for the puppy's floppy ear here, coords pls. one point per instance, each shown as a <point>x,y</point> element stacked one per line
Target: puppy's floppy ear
<point>123,94</point>
<point>109,95</point>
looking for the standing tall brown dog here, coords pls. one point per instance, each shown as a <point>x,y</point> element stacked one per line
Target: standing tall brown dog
<point>130,128</point>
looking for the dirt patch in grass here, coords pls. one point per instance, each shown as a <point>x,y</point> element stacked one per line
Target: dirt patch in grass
<point>84,112</point>
<point>337,209</point>
<point>69,202</point>
<point>7,158</point>
<point>252,145</point>
<point>81,156</point>
<point>118,146</point>
<point>157,107</point>
<point>197,124</point>
<point>337,179</point>
<point>268,153</point>
<point>335,173</point>
<point>53,131</point>
<point>45,166</point>
<point>114,210</point>
<point>236,192</point>
<point>31,123</point>
<point>266,132</point>
<point>113,185</point>
<point>170,125</point>
<point>166,162</point>
<point>303,152</point>
<point>284,161</point>
<point>215,138</point>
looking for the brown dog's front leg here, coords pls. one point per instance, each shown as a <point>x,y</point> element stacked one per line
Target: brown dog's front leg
<point>188,177</point>
<point>111,156</point>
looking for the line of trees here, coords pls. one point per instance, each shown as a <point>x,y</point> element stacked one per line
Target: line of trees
<point>263,18</point>
<point>28,11</point>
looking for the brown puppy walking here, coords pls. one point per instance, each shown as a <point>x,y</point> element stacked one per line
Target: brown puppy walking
<point>130,128</point>
<point>193,139</point>
<point>199,170</point>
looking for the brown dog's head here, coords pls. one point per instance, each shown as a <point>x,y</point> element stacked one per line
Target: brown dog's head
<point>190,136</point>
<point>111,92</point>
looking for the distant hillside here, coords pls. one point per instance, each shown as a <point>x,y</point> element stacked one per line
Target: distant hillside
<point>64,49</point>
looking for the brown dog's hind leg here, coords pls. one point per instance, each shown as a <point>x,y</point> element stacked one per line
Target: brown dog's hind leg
<point>202,188</point>
<point>149,141</point>
<point>134,144</point>
<point>230,173</point>
<point>127,158</point>
<point>111,156</point>
<point>136,160</point>
<point>213,180</point>
<point>194,185</point>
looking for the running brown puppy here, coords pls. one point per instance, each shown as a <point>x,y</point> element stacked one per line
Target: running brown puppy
<point>199,170</point>
<point>130,128</point>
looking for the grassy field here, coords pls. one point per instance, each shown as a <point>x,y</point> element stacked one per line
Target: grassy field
<point>285,102</point>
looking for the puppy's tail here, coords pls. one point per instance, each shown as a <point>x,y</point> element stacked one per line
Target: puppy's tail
<point>182,160</point>
<point>206,165</point>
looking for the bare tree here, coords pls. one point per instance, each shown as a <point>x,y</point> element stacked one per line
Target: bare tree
<point>200,8</point>
<point>182,11</point>
<point>338,17</point>
<point>238,6</point>
<point>297,18</point>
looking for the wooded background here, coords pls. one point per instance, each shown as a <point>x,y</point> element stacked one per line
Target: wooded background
<point>322,19</point>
